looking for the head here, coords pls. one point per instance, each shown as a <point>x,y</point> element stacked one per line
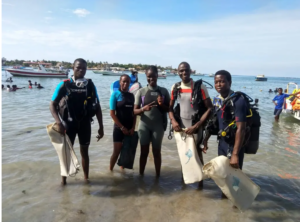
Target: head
<point>223,82</point>
<point>279,91</point>
<point>8,86</point>
<point>38,84</point>
<point>14,86</point>
<point>152,75</point>
<point>79,68</point>
<point>184,72</point>
<point>124,83</point>
<point>256,100</point>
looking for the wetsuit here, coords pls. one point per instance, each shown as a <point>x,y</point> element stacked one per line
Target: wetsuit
<point>153,122</point>
<point>80,122</point>
<point>186,109</point>
<point>123,104</point>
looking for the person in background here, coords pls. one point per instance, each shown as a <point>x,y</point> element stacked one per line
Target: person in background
<point>8,88</point>
<point>3,87</point>
<point>35,83</point>
<point>270,90</point>
<point>78,119</point>
<point>39,86</point>
<point>256,102</point>
<point>279,101</point>
<point>152,103</point>
<point>15,87</point>
<point>30,85</point>
<point>121,111</point>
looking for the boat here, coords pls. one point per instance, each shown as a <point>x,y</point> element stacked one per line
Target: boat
<point>98,71</point>
<point>198,74</point>
<point>261,78</point>
<point>162,76</point>
<point>40,72</point>
<point>167,73</point>
<point>112,73</point>
<point>211,75</point>
<point>292,104</point>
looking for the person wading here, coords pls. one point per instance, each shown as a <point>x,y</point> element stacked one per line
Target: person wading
<point>82,103</point>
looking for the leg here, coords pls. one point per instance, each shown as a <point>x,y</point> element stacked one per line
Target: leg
<point>84,136</point>
<point>85,161</point>
<point>144,135</point>
<point>118,138</point>
<point>157,137</point>
<point>71,132</point>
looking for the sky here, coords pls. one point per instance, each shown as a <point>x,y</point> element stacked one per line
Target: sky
<point>244,37</point>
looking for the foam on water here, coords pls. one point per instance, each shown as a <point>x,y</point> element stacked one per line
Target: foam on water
<point>30,175</point>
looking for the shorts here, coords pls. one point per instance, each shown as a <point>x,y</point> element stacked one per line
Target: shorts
<point>118,135</point>
<point>277,112</point>
<point>222,151</point>
<point>151,134</point>
<point>83,129</point>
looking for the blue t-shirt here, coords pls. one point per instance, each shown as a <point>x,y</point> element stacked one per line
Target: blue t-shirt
<point>241,110</point>
<point>280,100</point>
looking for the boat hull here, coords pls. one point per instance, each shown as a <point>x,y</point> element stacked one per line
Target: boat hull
<point>261,79</point>
<point>21,73</point>
<point>112,74</point>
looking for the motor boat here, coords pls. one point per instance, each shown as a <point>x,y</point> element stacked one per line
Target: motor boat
<point>161,75</point>
<point>211,75</point>
<point>198,74</point>
<point>40,72</point>
<point>97,71</point>
<point>261,78</point>
<point>292,103</point>
<point>167,73</point>
<point>112,73</point>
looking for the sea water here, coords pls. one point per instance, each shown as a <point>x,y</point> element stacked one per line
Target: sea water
<point>31,188</point>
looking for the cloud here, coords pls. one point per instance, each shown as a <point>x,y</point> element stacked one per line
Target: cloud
<point>49,12</point>
<point>246,44</point>
<point>80,12</point>
<point>48,18</point>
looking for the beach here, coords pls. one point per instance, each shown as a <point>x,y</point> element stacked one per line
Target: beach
<point>31,188</point>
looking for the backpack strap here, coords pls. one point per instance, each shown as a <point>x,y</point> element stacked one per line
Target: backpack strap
<point>176,90</point>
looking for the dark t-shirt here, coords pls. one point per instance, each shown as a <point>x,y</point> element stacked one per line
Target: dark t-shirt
<point>241,110</point>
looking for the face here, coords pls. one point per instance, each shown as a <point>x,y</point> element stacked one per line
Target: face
<point>184,72</point>
<point>79,69</point>
<point>222,85</point>
<point>151,78</point>
<point>124,83</point>
<point>279,91</point>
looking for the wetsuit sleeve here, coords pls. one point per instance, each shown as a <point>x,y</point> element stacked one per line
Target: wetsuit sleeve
<point>113,101</point>
<point>137,100</point>
<point>172,96</point>
<point>59,92</point>
<point>240,110</point>
<point>204,92</point>
<point>97,93</point>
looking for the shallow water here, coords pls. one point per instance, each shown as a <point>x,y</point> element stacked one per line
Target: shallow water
<point>31,176</point>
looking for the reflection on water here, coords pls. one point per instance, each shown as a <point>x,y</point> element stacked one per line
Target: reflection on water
<point>30,175</point>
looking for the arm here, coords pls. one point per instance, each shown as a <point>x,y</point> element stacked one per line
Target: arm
<point>239,138</point>
<point>138,110</point>
<point>100,121</point>
<point>294,94</point>
<point>164,104</point>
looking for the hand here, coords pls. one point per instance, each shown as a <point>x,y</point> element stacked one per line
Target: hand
<point>160,100</point>
<point>59,127</point>
<point>131,131</point>
<point>176,126</point>
<point>275,104</point>
<point>100,134</point>
<point>149,106</point>
<point>205,148</point>
<point>234,161</point>
<point>125,131</point>
<point>192,129</point>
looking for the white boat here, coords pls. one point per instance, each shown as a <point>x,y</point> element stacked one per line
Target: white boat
<point>40,72</point>
<point>198,74</point>
<point>167,73</point>
<point>161,75</point>
<point>112,73</point>
<point>211,75</point>
<point>288,108</point>
<point>261,78</point>
<point>98,71</point>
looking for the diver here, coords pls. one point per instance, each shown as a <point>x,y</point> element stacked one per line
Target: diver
<point>30,85</point>
<point>121,111</point>
<point>270,90</point>
<point>35,83</point>
<point>15,88</point>
<point>231,147</point>
<point>279,101</point>
<point>191,116</point>
<point>73,104</point>
<point>134,77</point>
<point>276,90</point>
<point>152,103</point>
<point>256,102</point>
<point>8,88</point>
<point>39,86</point>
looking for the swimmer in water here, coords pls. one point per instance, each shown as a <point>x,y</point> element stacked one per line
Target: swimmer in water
<point>39,86</point>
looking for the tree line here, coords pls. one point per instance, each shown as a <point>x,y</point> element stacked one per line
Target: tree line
<point>90,64</point>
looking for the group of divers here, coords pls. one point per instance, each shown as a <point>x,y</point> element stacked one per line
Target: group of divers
<point>15,87</point>
<point>231,115</point>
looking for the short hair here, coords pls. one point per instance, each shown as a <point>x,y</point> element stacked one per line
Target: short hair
<point>124,75</point>
<point>224,73</point>
<point>152,68</point>
<point>80,60</point>
<point>280,88</point>
<point>184,63</point>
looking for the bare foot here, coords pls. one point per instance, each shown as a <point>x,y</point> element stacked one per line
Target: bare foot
<point>87,181</point>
